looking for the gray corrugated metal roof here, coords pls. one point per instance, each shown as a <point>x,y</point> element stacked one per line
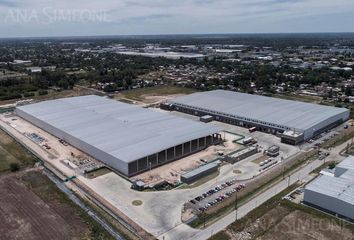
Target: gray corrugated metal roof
<point>200,169</point>
<point>292,114</point>
<point>341,187</point>
<point>347,163</point>
<point>124,131</point>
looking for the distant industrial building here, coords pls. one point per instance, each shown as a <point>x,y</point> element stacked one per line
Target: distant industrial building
<point>127,138</point>
<point>334,194</point>
<point>293,121</point>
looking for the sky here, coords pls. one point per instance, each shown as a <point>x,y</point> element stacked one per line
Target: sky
<point>44,18</point>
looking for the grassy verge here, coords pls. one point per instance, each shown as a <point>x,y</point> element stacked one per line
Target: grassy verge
<point>339,139</point>
<point>6,160</point>
<point>13,152</point>
<point>110,220</point>
<point>323,166</point>
<point>262,209</point>
<point>220,236</point>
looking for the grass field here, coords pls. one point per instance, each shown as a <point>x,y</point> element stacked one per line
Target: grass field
<point>138,94</point>
<point>340,138</point>
<point>6,159</point>
<point>13,152</point>
<point>52,94</point>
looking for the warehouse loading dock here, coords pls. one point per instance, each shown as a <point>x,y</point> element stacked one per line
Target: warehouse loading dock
<point>293,121</point>
<point>126,138</point>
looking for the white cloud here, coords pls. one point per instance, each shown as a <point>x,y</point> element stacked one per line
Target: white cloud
<point>77,17</point>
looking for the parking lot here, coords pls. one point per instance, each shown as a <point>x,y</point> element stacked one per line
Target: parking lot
<point>214,196</point>
<point>328,135</point>
<point>296,196</point>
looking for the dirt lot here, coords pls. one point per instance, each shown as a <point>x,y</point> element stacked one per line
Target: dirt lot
<point>299,225</point>
<point>281,223</point>
<point>155,94</point>
<point>25,216</point>
<point>288,222</point>
<point>32,207</point>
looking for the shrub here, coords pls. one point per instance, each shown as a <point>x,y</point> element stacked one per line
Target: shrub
<point>28,94</point>
<point>42,92</point>
<point>14,167</point>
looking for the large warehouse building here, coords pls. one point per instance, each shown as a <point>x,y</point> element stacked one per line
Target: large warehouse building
<point>127,138</point>
<point>334,194</point>
<point>295,121</point>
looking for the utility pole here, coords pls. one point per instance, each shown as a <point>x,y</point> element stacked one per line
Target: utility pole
<point>204,217</point>
<point>236,207</point>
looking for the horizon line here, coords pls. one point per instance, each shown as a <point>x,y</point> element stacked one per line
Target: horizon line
<point>167,34</point>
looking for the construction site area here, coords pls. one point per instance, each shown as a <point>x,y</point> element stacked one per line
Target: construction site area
<point>56,153</point>
<point>171,173</point>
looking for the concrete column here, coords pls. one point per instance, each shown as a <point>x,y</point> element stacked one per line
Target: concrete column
<point>166,155</point>
<point>174,152</point>
<point>182,149</point>
<point>205,141</point>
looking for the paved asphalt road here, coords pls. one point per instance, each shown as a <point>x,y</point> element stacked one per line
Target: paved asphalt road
<point>185,232</point>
